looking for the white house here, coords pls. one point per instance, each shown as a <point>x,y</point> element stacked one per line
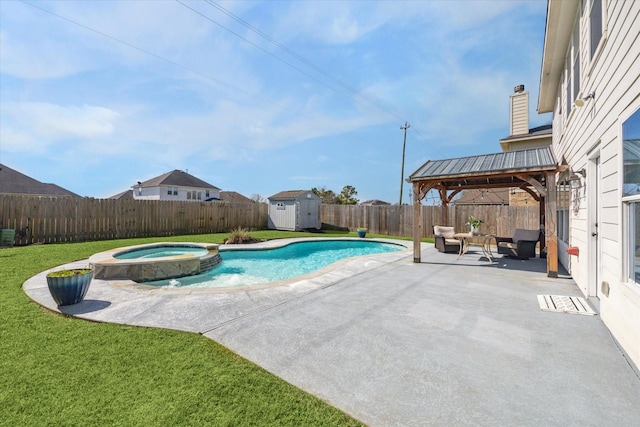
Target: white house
<point>295,210</point>
<point>175,185</point>
<point>590,80</point>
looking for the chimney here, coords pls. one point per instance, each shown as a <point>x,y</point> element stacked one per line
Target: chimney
<point>519,111</point>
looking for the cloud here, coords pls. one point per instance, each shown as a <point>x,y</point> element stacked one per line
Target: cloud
<point>37,125</point>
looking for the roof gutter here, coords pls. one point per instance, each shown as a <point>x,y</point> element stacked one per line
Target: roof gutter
<point>560,17</point>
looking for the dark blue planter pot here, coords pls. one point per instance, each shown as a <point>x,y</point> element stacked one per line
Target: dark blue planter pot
<point>69,290</point>
<point>362,233</point>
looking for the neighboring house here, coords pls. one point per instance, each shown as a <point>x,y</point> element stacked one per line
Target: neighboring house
<point>176,185</point>
<point>125,195</point>
<point>489,196</point>
<point>14,182</point>
<point>295,210</point>
<point>375,202</point>
<point>590,80</point>
<point>234,197</point>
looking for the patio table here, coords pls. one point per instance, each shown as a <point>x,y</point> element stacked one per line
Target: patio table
<point>485,244</point>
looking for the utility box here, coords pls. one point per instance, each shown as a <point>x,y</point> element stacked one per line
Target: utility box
<point>7,236</point>
<point>295,210</point>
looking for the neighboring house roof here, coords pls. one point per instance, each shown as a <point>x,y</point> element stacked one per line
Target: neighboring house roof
<point>234,197</point>
<point>374,202</point>
<point>176,178</point>
<point>540,131</point>
<point>14,182</point>
<point>536,158</point>
<point>291,194</point>
<point>125,195</point>
<point>494,196</point>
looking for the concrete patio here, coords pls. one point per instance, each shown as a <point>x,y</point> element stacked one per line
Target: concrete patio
<point>446,342</point>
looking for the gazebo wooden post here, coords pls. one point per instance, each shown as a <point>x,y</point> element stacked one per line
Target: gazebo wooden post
<point>542,209</point>
<point>551,232</point>
<point>417,223</point>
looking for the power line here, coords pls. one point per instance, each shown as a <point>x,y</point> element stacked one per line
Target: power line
<point>355,98</point>
<point>169,61</point>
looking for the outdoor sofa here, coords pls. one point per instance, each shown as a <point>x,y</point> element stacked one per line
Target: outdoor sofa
<point>522,245</point>
<point>444,240</point>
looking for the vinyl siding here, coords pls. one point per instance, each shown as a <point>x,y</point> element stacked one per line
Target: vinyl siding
<point>614,76</point>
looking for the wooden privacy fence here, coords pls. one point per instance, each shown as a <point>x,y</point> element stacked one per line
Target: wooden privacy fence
<point>70,219</point>
<point>398,220</point>
<point>60,219</point>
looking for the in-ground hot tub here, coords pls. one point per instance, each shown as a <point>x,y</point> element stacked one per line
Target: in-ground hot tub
<point>155,261</point>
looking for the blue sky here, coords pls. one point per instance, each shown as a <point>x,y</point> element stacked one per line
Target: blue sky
<point>259,97</point>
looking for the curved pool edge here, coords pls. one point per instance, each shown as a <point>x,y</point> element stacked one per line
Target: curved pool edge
<point>106,292</point>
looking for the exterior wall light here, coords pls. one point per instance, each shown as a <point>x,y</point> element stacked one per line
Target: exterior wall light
<point>575,179</point>
<point>580,101</point>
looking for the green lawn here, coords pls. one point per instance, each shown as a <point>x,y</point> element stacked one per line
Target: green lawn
<point>56,370</point>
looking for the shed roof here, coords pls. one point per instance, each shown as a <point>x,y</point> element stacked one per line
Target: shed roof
<point>289,194</point>
<point>178,178</point>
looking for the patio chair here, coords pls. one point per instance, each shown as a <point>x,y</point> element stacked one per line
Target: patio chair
<point>444,240</point>
<point>522,245</point>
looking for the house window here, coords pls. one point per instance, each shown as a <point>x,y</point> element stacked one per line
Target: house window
<point>206,194</point>
<point>563,201</point>
<point>631,193</point>
<point>568,99</point>
<point>572,68</point>
<point>189,195</point>
<point>199,194</point>
<point>595,23</point>
<point>172,191</point>
<point>576,60</point>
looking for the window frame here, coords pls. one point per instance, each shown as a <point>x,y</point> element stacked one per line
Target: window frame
<point>595,53</point>
<point>630,220</point>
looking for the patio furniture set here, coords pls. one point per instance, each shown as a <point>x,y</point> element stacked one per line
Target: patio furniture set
<point>521,245</point>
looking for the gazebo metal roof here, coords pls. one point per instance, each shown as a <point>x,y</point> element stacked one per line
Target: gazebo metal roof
<point>488,170</point>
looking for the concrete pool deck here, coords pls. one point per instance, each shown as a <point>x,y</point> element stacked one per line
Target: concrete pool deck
<point>445,342</point>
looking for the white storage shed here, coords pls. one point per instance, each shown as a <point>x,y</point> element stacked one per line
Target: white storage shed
<point>295,210</point>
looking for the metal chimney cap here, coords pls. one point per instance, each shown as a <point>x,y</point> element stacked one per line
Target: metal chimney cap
<point>518,89</point>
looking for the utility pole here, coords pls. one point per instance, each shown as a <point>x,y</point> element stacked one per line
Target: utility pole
<point>404,145</point>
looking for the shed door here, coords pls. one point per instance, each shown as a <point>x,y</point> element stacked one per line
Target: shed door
<point>307,213</point>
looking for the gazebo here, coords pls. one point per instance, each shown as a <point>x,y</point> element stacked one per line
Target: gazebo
<point>532,170</point>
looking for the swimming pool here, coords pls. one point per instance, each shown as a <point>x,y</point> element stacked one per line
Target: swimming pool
<point>251,267</point>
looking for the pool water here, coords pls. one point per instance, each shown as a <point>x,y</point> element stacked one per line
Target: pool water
<point>250,267</point>
<point>161,251</point>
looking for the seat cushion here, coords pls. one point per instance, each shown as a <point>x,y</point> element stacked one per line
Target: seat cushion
<point>521,234</point>
<point>508,245</point>
<point>452,241</point>
<point>443,231</point>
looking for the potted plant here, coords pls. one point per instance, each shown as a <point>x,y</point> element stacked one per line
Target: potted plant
<point>474,223</point>
<point>362,232</point>
<point>69,286</point>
